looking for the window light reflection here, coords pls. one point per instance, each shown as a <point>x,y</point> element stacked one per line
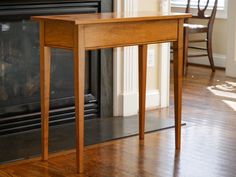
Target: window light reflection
<point>226,90</point>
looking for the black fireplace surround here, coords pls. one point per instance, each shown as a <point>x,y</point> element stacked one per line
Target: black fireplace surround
<point>19,67</point>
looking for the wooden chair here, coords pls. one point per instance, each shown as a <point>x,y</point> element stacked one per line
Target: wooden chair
<point>199,28</point>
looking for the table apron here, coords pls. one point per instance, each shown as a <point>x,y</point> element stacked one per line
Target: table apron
<point>61,34</point>
<point>124,34</point>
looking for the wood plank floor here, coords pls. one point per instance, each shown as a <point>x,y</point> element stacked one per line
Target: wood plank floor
<point>208,140</point>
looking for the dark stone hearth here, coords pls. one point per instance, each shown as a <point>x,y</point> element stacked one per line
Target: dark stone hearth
<point>26,145</point>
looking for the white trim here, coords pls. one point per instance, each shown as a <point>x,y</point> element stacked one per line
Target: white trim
<point>164,75</point>
<point>126,71</point>
<point>164,65</point>
<point>182,3</point>
<point>152,99</point>
<point>129,103</point>
<point>117,101</point>
<point>125,80</point>
<point>219,60</point>
<point>221,14</point>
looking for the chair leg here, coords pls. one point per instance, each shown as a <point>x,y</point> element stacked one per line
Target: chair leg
<point>209,52</point>
<point>185,62</point>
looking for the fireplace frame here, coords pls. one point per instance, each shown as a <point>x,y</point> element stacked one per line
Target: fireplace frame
<point>23,9</point>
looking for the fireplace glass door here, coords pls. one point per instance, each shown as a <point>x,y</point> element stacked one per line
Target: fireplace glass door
<point>19,63</point>
<point>19,70</point>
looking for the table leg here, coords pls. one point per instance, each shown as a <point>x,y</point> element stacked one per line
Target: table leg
<point>178,80</point>
<point>45,63</point>
<point>186,39</point>
<point>142,88</point>
<point>79,73</point>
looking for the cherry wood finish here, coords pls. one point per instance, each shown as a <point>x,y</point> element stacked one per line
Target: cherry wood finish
<point>79,74</point>
<point>95,31</point>
<point>45,64</point>
<point>142,88</point>
<point>199,28</point>
<point>178,71</point>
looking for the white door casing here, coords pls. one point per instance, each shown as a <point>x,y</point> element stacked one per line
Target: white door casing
<point>125,80</point>
<point>164,64</point>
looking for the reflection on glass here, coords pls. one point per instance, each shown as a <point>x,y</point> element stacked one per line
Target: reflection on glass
<point>19,65</point>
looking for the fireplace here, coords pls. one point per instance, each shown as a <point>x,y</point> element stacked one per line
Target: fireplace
<point>19,68</point>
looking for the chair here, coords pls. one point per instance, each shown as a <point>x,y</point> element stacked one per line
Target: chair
<point>199,28</point>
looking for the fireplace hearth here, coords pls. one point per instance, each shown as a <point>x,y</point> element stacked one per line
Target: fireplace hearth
<point>19,68</point>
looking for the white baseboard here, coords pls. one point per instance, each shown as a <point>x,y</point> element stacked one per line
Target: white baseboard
<point>219,60</point>
<point>130,102</point>
<point>152,99</point>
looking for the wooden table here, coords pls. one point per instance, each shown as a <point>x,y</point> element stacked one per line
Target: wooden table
<point>81,32</point>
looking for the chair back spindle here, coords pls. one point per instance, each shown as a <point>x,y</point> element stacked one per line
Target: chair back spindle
<point>202,11</point>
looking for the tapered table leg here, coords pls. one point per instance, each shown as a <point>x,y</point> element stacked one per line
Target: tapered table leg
<point>45,63</point>
<point>178,80</point>
<point>142,88</point>
<point>79,74</point>
<point>185,51</point>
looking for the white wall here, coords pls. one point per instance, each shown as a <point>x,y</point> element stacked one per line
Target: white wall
<point>231,40</point>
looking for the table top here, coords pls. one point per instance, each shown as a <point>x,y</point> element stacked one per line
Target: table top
<point>95,18</point>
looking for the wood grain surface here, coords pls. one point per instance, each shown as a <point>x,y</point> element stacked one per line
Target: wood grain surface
<point>95,18</point>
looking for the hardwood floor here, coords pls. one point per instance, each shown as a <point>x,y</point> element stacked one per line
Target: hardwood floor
<point>208,140</point>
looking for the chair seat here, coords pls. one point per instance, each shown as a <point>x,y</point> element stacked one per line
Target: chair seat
<point>196,28</point>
